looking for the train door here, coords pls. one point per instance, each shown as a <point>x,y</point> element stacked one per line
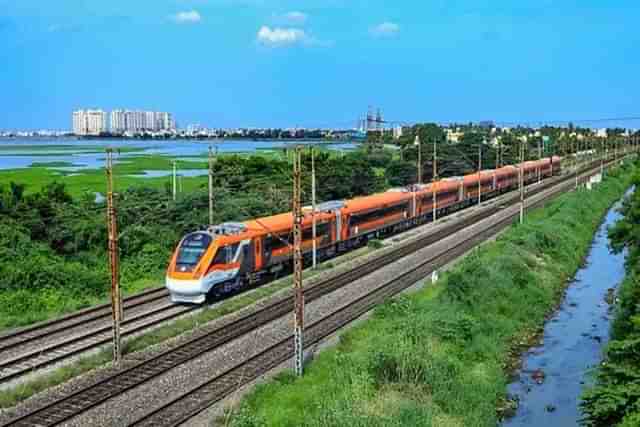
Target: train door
<point>257,247</point>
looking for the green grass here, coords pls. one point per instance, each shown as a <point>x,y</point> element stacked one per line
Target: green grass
<point>440,357</point>
<point>15,395</point>
<point>125,169</point>
<point>54,302</point>
<point>94,180</point>
<point>38,150</point>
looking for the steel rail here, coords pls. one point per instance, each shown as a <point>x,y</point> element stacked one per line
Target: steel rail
<point>82,400</point>
<point>39,330</point>
<point>184,407</point>
<point>58,351</point>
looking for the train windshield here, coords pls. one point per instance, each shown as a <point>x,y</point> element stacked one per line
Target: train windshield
<point>191,250</point>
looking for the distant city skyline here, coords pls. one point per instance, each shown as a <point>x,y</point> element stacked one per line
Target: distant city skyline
<point>120,121</point>
<point>316,63</point>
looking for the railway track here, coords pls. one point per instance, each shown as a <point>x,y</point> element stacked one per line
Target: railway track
<point>189,404</point>
<point>208,339</point>
<point>41,345</point>
<point>27,350</point>
<point>201,397</point>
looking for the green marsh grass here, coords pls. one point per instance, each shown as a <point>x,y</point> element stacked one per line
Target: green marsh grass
<point>441,356</point>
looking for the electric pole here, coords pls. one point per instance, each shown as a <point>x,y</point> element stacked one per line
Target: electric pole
<point>417,143</point>
<point>174,180</point>
<point>521,181</point>
<point>313,206</point>
<point>539,158</point>
<point>210,186</point>
<point>602,158</point>
<point>434,190</point>
<point>552,152</point>
<point>298,314</point>
<point>112,227</point>
<point>479,173</point>
<point>577,163</point>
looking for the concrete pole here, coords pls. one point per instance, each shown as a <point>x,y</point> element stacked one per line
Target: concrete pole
<point>435,182</point>
<point>210,186</point>
<point>521,182</point>
<point>174,180</point>
<point>112,227</point>
<point>298,311</point>
<point>602,158</point>
<point>417,143</point>
<point>577,168</point>
<point>480,174</point>
<point>539,158</point>
<point>551,157</point>
<point>313,206</point>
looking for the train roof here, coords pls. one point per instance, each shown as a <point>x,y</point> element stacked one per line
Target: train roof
<point>379,199</point>
<point>231,232</point>
<point>473,177</point>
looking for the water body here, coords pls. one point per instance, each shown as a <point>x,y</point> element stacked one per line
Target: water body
<point>554,374</point>
<point>90,153</point>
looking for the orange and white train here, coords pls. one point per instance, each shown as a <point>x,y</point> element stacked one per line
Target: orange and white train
<point>228,256</point>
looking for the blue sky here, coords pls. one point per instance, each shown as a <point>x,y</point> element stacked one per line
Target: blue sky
<point>319,62</point>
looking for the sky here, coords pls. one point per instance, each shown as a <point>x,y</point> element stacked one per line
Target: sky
<point>319,63</point>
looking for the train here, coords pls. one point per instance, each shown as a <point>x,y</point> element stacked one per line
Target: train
<point>224,258</point>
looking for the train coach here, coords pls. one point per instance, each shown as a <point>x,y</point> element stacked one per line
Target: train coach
<point>229,256</point>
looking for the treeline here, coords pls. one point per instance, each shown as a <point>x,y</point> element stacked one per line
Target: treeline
<point>53,248</point>
<point>489,147</point>
<point>615,399</point>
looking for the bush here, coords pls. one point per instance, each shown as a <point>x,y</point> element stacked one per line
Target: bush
<point>436,357</point>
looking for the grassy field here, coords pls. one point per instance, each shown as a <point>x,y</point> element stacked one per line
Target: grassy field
<point>128,170</point>
<point>25,307</point>
<point>38,150</point>
<point>440,357</point>
<point>94,180</point>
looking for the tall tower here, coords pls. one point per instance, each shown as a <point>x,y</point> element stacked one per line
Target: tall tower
<point>370,119</point>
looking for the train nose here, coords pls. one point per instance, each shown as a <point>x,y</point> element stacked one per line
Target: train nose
<point>186,291</point>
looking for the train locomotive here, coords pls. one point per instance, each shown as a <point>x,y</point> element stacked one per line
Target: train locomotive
<point>229,256</point>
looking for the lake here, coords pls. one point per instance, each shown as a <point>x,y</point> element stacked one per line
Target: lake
<point>84,154</point>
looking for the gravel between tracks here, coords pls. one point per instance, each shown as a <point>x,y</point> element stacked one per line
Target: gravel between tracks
<point>77,330</point>
<point>129,406</point>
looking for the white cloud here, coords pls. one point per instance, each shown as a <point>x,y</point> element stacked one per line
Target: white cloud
<point>187,17</point>
<point>386,29</point>
<point>277,37</point>
<point>295,17</point>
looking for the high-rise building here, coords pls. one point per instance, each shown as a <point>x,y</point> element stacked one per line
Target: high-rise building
<point>397,132</point>
<point>139,121</point>
<point>89,122</point>
<point>118,121</point>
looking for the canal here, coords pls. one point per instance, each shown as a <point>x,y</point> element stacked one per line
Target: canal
<point>554,373</point>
